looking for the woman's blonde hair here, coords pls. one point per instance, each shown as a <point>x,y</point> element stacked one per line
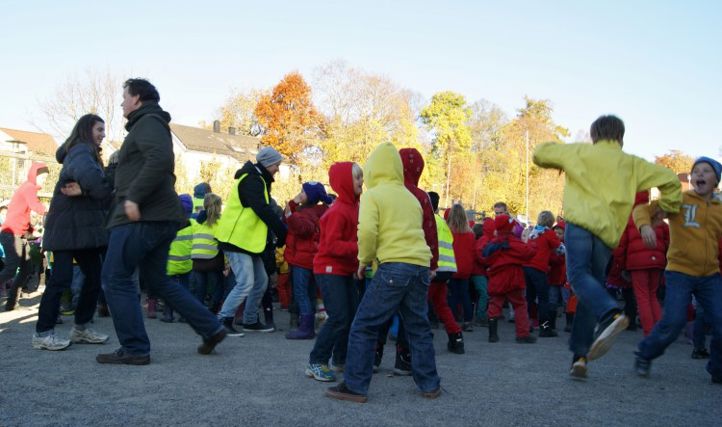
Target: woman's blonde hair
<point>545,219</point>
<point>212,205</point>
<point>457,219</point>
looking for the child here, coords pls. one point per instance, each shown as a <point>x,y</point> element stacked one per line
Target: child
<point>645,266</point>
<point>483,232</point>
<point>505,255</point>
<point>557,278</point>
<point>302,216</point>
<point>334,266</point>
<point>600,183</point>
<point>544,241</point>
<point>283,283</point>
<point>208,260</point>
<point>180,264</point>
<point>693,267</point>
<point>464,255</point>
<point>390,231</point>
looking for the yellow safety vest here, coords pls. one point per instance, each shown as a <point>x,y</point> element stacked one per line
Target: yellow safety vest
<point>179,255</point>
<point>240,226</point>
<point>197,204</point>
<point>205,245</point>
<point>447,261</point>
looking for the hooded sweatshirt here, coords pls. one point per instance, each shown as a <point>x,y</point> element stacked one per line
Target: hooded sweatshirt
<point>633,253</point>
<point>413,167</point>
<point>338,244</point>
<point>390,217</point>
<point>23,201</point>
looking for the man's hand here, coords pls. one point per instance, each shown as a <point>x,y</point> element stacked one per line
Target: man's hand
<point>649,237</point>
<point>132,211</point>
<point>71,189</point>
<point>361,273</point>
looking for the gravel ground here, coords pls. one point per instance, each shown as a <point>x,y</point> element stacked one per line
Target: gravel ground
<point>258,380</point>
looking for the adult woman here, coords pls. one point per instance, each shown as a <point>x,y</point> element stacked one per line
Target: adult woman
<point>75,230</point>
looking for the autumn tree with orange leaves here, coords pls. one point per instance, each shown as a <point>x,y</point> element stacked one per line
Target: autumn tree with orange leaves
<point>289,121</point>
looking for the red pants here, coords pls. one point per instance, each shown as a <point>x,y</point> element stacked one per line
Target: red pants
<point>645,284</point>
<point>438,298</point>
<point>518,301</point>
<point>284,290</point>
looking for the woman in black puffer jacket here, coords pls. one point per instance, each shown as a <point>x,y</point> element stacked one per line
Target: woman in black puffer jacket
<point>75,230</point>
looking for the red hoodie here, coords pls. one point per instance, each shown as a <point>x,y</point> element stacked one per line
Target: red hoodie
<point>505,272</point>
<point>338,246</point>
<point>636,255</point>
<point>303,234</point>
<point>487,235</point>
<point>464,254</point>
<point>24,200</point>
<point>544,243</point>
<point>413,167</point>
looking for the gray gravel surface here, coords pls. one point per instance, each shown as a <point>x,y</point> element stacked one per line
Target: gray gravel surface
<point>259,380</point>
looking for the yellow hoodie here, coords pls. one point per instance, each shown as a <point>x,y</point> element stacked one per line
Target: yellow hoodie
<point>390,217</point>
<point>694,234</point>
<point>600,183</point>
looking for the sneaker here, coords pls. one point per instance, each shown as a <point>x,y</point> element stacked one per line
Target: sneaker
<point>49,342</point>
<point>231,331</point>
<point>700,353</point>
<point>341,392</point>
<point>547,333</point>
<point>209,344</point>
<point>87,336</point>
<point>433,394</point>
<point>642,366</point>
<point>403,363</point>
<point>320,372</point>
<point>120,357</point>
<point>257,327</point>
<point>579,368</point>
<point>526,340</point>
<point>608,330</point>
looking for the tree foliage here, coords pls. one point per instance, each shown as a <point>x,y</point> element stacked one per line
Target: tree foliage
<point>239,111</point>
<point>676,160</point>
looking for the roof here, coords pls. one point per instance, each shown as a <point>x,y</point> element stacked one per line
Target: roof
<point>36,142</point>
<point>240,147</point>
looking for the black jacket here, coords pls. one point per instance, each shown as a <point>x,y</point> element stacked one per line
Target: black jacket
<point>250,193</point>
<point>144,173</point>
<point>78,222</point>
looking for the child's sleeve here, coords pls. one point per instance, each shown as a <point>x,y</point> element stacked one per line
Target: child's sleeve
<point>650,175</point>
<point>550,155</point>
<point>642,214</point>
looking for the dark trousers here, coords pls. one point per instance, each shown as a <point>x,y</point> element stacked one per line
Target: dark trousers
<point>17,256</point>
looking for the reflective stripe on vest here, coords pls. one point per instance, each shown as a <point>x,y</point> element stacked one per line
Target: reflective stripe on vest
<point>179,255</point>
<point>239,225</point>
<point>447,261</point>
<point>205,245</point>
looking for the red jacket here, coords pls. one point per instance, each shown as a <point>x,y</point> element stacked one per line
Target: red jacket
<point>505,265</point>
<point>637,256</point>
<point>487,235</point>
<point>464,253</point>
<point>338,244</point>
<point>303,234</point>
<point>25,199</point>
<point>544,243</point>
<point>413,167</point>
<point>557,270</point>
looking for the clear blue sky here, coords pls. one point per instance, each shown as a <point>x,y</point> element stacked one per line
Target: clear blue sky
<point>656,64</point>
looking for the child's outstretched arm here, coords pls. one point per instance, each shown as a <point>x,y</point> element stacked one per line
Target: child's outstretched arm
<point>650,175</point>
<point>550,155</point>
<point>642,216</point>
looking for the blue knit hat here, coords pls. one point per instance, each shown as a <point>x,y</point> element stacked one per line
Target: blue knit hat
<point>315,192</point>
<point>716,166</point>
<point>186,202</point>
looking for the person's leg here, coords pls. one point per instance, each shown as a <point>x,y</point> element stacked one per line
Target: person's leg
<point>480,283</point>
<point>708,291</point>
<point>50,302</point>
<point>90,264</point>
<point>199,284</point>
<point>17,266</point>
<point>698,334</point>
<point>437,294</point>
<point>582,330</point>
<point>521,321</point>
<point>242,266</point>
<point>541,285</point>
<point>531,293</point>
<point>466,301</point>
<point>654,279</point>
<point>454,297</point>
<point>260,283</point>
<point>284,297</point>
<point>642,292</point>
<point>335,297</point>
<point>301,279</point>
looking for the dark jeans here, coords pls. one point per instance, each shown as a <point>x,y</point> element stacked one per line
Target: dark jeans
<point>304,290</point>
<point>395,287</point>
<point>340,297</point>
<point>90,263</point>
<point>680,287</point>
<point>144,246</point>
<point>537,290</point>
<point>699,331</point>
<point>207,283</point>
<point>17,255</point>
<point>459,295</point>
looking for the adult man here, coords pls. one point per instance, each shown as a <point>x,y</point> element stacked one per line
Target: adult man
<point>243,233</point>
<point>16,228</point>
<point>143,222</point>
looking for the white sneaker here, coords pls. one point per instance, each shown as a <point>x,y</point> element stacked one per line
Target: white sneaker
<point>87,336</point>
<point>49,342</point>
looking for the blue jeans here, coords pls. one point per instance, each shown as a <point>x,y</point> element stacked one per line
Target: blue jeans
<point>143,247</point>
<point>340,297</point>
<point>395,287</point>
<point>587,259</point>
<point>459,295</point>
<point>537,290</point>
<point>204,283</point>
<point>304,290</point>
<point>555,297</point>
<point>701,322</point>
<point>680,287</point>
<point>251,283</point>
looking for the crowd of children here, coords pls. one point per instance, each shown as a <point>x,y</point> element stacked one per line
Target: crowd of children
<point>384,254</point>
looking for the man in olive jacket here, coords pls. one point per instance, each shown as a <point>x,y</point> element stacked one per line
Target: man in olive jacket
<point>143,222</point>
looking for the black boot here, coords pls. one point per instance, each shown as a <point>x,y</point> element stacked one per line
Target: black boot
<point>570,321</point>
<point>12,298</point>
<point>456,343</point>
<point>545,327</point>
<point>493,324</point>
